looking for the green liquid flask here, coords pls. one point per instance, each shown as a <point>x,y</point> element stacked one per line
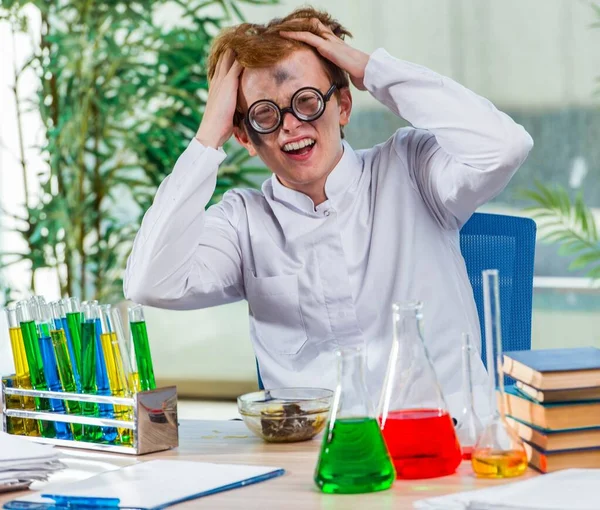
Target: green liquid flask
<point>22,378</point>
<point>139,333</point>
<point>354,458</point>
<point>36,365</point>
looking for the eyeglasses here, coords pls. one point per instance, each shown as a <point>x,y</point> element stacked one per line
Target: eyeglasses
<point>308,104</point>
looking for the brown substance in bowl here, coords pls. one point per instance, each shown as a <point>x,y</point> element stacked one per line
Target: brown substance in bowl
<point>283,423</point>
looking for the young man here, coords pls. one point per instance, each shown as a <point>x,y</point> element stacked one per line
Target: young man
<point>336,235</point>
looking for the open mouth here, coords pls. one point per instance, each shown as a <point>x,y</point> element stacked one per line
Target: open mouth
<point>299,150</point>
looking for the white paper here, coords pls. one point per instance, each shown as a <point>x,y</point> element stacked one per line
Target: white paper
<point>571,489</point>
<point>22,461</point>
<point>155,483</point>
<point>15,448</point>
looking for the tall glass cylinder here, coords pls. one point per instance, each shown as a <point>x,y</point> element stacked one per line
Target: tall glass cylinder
<point>499,452</point>
<point>469,426</point>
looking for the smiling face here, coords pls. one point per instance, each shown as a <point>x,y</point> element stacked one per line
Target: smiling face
<point>301,154</point>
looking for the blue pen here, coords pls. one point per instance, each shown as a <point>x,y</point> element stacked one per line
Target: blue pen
<point>82,502</point>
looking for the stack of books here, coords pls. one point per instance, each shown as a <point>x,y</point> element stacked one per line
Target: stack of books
<point>555,406</point>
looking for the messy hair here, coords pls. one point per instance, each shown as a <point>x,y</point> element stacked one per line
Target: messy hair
<point>257,45</point>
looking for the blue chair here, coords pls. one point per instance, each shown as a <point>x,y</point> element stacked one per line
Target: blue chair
<point>506,243</point>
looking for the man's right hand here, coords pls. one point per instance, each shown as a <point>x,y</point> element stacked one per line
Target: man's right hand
<point>217,122</point>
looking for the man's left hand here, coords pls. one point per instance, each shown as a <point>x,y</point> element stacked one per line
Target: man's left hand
<point>333,48</point>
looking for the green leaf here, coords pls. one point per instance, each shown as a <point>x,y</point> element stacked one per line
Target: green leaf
<point>585,260</point>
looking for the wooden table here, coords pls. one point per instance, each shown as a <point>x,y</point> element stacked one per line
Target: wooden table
<point>231,442</point>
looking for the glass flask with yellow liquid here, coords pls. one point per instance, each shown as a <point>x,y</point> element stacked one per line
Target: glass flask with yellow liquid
<point>499,452</point>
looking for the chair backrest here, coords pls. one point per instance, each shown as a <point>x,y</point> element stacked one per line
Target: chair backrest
<point>506,243</point>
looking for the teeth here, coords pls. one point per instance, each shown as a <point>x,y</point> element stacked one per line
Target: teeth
<point>294,146</point>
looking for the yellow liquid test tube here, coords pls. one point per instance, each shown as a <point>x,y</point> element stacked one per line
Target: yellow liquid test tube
<point>118,366</point>
<point>134,382</point>
<point>22,379</point>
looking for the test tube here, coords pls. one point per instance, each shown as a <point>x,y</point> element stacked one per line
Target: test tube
<point>22,378</point>
<point>59,316</point>
<point>117,365</point>
<point>43,324</point>
<point>109,434</point>
<point>139,333</point>
<point>74,319</point>
<point>36,366</point>
<point>63,360</point>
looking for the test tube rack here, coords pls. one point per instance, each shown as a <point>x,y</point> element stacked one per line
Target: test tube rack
<point>154,424</point>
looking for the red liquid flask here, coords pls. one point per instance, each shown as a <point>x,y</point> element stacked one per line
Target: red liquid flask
<point>413,415</point>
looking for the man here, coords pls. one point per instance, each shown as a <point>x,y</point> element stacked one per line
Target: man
<point>336,235</point>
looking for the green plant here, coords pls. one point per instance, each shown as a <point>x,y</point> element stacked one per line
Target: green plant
<point>120,95</point>
<point>568,222</point>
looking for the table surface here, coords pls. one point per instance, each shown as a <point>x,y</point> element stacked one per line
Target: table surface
<point>231,442</point>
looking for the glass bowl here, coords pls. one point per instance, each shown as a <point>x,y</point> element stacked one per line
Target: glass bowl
<point>286,415</point>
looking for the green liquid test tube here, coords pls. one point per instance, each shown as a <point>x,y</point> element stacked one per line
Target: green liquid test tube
<point>139,333</point>
<point>37,306</point>
<point>91,433</point>
<point>74,319</point>
<point>59,317</point>
<point>36,367</point>
<point>22,379</point>
<point>64,364</point>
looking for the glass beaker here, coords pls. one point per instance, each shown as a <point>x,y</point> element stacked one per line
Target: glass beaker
<point>354,457</point>
<point>469,426</point>
<point>413,414</point>
<point>499,452</point>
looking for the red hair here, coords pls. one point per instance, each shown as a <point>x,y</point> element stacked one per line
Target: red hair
<point>257,45</point>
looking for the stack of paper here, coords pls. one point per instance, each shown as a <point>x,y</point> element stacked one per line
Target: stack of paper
<point>571,489</point>
<point>152,485</point>
<point>22,462</point>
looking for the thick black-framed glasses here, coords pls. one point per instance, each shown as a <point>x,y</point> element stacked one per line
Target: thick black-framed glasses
<point>308,104</point>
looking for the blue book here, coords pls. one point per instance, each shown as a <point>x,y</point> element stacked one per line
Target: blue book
<point>554,416</point>
<point>555,369</point>
<point>556,440</point>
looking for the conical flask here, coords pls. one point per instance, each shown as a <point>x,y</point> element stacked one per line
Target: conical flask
<point>353,457</point>
<point>413,414</point>
<point>499,452</point>
<point>469,426</point>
